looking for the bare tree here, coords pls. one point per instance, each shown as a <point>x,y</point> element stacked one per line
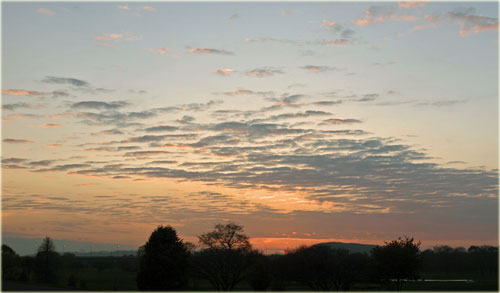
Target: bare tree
<point>228,236</point>
<point>227,256</point>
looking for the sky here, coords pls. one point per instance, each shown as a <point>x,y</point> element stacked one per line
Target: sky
<point>303,122</point>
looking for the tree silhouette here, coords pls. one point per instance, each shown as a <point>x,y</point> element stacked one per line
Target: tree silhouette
<point>10,263</point>
<point>485,259</point>
<point>323,268</point>
<point>163,261</point>
<point>226,258</point>
<point>397,261</point>
<point>228,236</point>
<point>260,277</point>
<point>47,261</point>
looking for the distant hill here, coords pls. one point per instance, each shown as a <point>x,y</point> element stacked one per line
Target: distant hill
<point>352,247</point>
<point>29,246</point>
<point>115,253</point>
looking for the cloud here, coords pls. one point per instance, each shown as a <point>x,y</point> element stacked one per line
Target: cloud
<point>264,72</point>
<point>238,92</point>
<point>13,160</point>
<point>15,106</point>
<point>16,141</point>
<point>346,33</point>
<point>54,145</point>
<point>224,71</point>
<point>338,28</point>
<point>284,101</point>
<point>45,11</point>
<point>445,103</point>
<point>306,114</point>
<point>161,128</point>
<point>377,14</point>
<point>411,4</point>
<point>331,25</point>
<point>149,8</point>
<point>189,107</point>
<point>317,69</point>
<point>234,16</point>
<point>50,125</point>
<point>97,105</point>
<point>209,51</point>
<point>65,80</point>
<point>123,119</point>
<point>20,116</point>
<point>262,40</point>
<point>286,12</point>
<point>64,167</point>
<point>116,37</point>
<point>337,121</point>
<point>114,117</point>
<point>124,7</point>
<point>337,42</point>
<point>109,132</point>
<point>145,154</point>
<point>364,21</point>
<point>364,98</point>
<point>17,92</point>
<point>470,22</point>
<point>101,149</point>
<point>160,51</point>
<point>327,103</point>
<point>42,163</point>
<point>185,119</point>
<point>146,138</point>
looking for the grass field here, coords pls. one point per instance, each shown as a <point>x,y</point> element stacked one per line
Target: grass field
<point>117,279</point>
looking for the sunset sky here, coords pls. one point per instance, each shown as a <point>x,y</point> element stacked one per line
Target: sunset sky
<point>303,122</point>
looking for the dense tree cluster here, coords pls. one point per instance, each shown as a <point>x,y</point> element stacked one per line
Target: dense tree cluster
<point>163,262</point>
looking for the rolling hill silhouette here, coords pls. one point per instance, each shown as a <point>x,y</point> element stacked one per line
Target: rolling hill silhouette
<point>352,247</point>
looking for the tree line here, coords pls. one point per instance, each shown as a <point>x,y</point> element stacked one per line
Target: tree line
<point>225,259</point>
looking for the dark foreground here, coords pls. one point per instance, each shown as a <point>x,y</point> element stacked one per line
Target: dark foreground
<point>227,262</point>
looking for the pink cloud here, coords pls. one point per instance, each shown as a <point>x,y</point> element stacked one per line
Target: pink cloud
<point>45,11</point>
<point>16,92</point>
<point>116,37</point>
<point>161,51</point>
<point>54,145</point>
<point>149,8</point>
<point>364,21</point>
<point>478,28</point>
<point>411,4</point>
<point>382,13</point>
<point>472,23</point>
<point>327,23</point>
<point>50,125</point>
<point>238,92</point>
<point>224,71</point>
<point>124,7</point>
